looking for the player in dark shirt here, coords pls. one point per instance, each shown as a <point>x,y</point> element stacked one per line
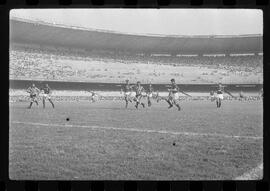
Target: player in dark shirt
<point>127,89</point>
<point>33,91</point>
<point>139,90</point>
<point>47,92</point>
<point>173,95</point>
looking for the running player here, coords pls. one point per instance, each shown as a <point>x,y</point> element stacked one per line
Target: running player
<point>127,92</point>
<point>47,92</point>
<point>150,91</point>
<point>241,96</point>
<point>33,91</point>
<point>220,91</point>
<point>94,96</point>
<point>139,90</point>
<point>156,96</point>
<point>261,93</point>
<point>173,95</point>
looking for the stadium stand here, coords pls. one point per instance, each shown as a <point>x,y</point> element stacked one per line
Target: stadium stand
<point>73,60</point>
<point>50,63</point>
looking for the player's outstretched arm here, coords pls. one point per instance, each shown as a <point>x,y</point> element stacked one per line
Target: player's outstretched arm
<point>38,91</point>
<point>229,93</point>
<point>185,93</point>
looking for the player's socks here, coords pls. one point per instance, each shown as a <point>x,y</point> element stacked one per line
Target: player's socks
<point>52,103</point>
<point>36,102</point>
<point>170,106</point>
<point>179,108</point>
<point>143,105</point>
<point>29,107</point>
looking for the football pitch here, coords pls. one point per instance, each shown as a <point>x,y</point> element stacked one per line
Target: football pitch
<point>105,141</point>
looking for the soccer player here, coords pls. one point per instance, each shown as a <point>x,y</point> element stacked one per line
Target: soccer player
<point>261,93</point>
<point>220,91</point>
<point>33,91</point>
<point>241,96</point>
<point>94,96</point>
<point>127,92</point>
<point>139,90</point>
<point>150,91</point>
<point>156,96</point>
<point>173,95</point>
<point>47,92</point>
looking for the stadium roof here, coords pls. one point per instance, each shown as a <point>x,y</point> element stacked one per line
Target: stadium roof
<point>25,31</point>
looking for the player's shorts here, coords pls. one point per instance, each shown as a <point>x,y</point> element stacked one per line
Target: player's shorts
<point>127,93</point>
<point>174,96</point>
<point>138,97</point>
<point>95,98</point>
<point>144,94</point>
<point>46,96</point>
<point>155,95</point>
<point>220,96</point>
<point>132,94</point>
<point>33,97</point>
<point>150,95</point>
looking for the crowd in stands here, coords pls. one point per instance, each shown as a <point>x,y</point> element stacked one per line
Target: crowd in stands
<point>44,62</point>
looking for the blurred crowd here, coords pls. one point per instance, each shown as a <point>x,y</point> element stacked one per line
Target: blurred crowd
<point>45,62</point>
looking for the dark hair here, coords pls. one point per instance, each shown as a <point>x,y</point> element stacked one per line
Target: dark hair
<point>172,80</point>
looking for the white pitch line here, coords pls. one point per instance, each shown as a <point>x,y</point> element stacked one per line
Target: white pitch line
<point>253,174</point>
<point>141,130</point>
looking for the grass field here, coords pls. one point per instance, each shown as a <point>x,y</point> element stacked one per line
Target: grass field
<point>103,140</point>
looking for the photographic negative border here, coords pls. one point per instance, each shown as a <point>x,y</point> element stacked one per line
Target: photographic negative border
<point>6,184</point>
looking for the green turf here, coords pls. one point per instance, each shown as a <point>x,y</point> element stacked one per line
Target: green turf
<point>63,152</point>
